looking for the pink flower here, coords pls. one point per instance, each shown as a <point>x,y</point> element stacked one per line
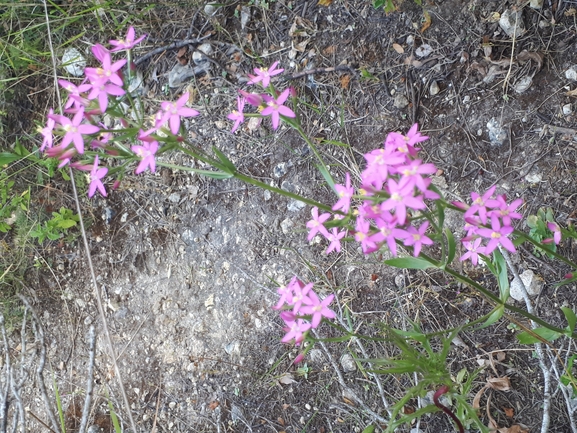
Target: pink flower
<point>318,308</point>
<point>237,115</point>
<point>417,238</point>
<point>275,108</point>
<point>480,204</point>
<point>497,235</point>
<point>379,163</point>
<point>554,227</point>
<point>300,295</point>
<point>295,330</point>
<point>127,43</point>
<point>146,153</point>
<point>263,75</point>
<point>388,232</point>
<point>506,211</point>
<point>474,248</point>
<point>254,99</point>
<point>74,130</point>
<point>316,224</point>
<point>345,194</point>
<point>101,90</point>
<point>401,197</point>
<point>362,236</point>
<point>174,110</point>
<point>406,143</point>
<point>286,294</point>
<point>412,173</point>
<point>96,176</point>
<point>108,71</point>
<point>335,240</point>
<point>46,132</point>
<point>74,93</point>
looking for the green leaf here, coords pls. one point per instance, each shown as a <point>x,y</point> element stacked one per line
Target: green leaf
<point>7,157</point>
<point>378,3</point>
<point>66,224</point>
<point>409,263</point>
<point>502,276</point>
<point>451,246</point>
<point>328,178</point>
<point>369,429</point>
<point>493,317</point>
<point>571,318</point>
<point>544,333</point>
<point>225,161</point>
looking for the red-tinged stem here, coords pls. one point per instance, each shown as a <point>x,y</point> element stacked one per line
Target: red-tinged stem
<point>443,390</point>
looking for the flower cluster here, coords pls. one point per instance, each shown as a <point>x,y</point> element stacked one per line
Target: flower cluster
<point>89,101</point>
<point>301,309</point>
<point>268,105</point>
<point>488,223</point>
<point>394,186</point>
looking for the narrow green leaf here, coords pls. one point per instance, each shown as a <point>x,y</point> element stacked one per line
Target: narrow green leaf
<point>493,317</point>
<point>7,157</point>
<point>544,333</point>
<point>225,161</point>
<point>114,418</point>
<point>571,318</point>
<point>451,246</point>
<point>502,276</point>
<point>329,179</point>
<point>409,263</point>
<point>369,429</point>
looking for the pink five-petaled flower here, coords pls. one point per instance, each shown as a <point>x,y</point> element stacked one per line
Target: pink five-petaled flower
<point>388,231</point>
<point>74,93</point>
<point>300,295</point>
<point>286,294</point>
<point>237,115</point>
<point>480,204</point>
<point>497,235</point>
<point>127,43</point>
<point>335,238</point>
<point>316,224</point>
<point>174,110</point>
<point>101,90</point>
<point>406,143</point>
<point>275,108</point>
<point>96,176</point>
<point>46,132</point>
<point>345,194</point>
<point>74,130</point>
<point>362,235</point>
<point>554,227</point>
<point>318,308</point>
<point>108,71</point>
<point>263,75</point>
<point>146,153</point>
<point>507,211</point>
<point>417,238</point>
<point>401,197</point>
<point>295,329</point>
<point>474,248</point>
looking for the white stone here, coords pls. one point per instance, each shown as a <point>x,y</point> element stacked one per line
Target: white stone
<point>434,88</point>
<point>512,23</point>
<point>532,285</point>
<point>74,62</point>
<point>424,50</point>
<point>571,73</point>
<point>567,109</point>
<point>536,4</point>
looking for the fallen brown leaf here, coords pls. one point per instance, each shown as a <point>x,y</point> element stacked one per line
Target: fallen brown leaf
<point>509,412</point>
<point>499,383</point>
<point>329,50</point>
<point>345,80</point>
<point>213,404</point>
<point>325,2</point>
<point>286,379</point>
<point>398,48</point>
<point>427,21</point>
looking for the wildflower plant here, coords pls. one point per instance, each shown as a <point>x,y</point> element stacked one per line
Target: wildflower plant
<point>393,206</point>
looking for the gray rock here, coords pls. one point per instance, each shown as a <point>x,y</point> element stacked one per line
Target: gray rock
<point>348,363</point>
<point>286,225</point>
<point>497,134</point>
<point>295,205</point>
<point>571,73</point>
<point>180,73</point>
<point>532,285</point>
<point>400,101</point>
<point>73,62</point>
<point>512,23</point>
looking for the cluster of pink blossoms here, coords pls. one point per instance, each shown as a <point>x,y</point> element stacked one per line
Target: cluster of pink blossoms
<point>267,105</point>
<point>393,186</point>
<point>488,224</point>
<point>302,302</point>
<point>89,100</point>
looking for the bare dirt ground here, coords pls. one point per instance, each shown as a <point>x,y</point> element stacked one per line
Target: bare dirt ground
<point>188,265</point>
